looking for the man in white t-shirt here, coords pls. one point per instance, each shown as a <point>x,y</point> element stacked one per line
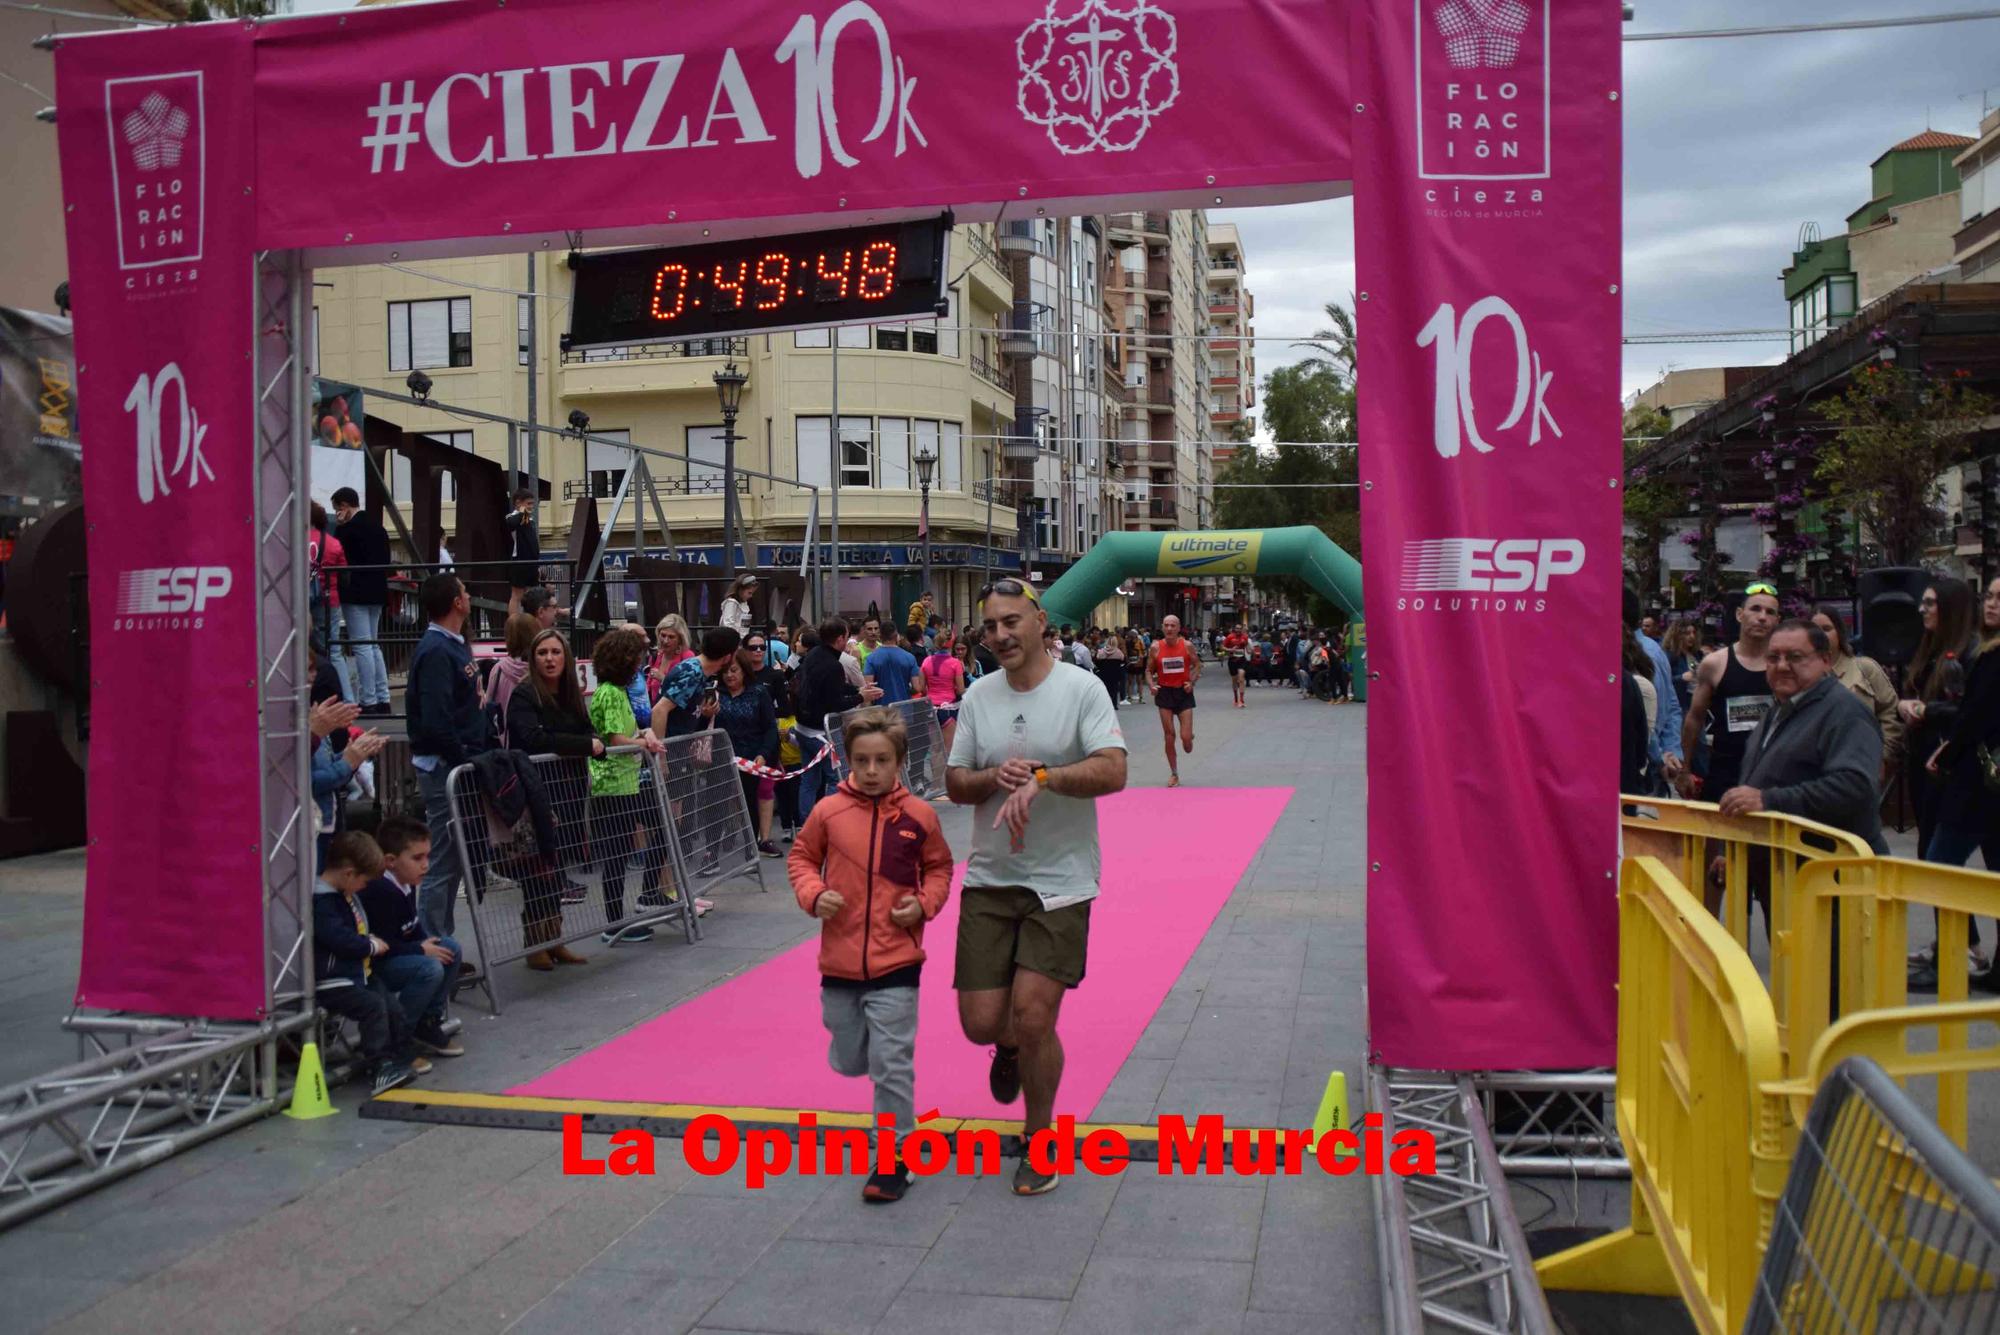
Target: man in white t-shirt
<point>1036,744</point>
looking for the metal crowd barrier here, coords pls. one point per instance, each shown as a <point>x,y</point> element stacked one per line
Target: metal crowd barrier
<point>524,897</point>
<point>1884,1223</point>
<point>1697,1053</point>
<point>923,768</point>
<point>709,822</point>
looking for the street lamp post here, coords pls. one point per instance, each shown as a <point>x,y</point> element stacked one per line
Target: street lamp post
<point>729,390</point>
<point>925,461</point>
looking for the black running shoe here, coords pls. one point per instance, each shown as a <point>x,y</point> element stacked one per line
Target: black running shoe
<point>883,1188</point>
<point>1030,1181</point>
<point>1003,1078</point>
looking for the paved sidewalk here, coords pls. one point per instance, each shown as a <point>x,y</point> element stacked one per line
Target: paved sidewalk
<point>360,1225</point>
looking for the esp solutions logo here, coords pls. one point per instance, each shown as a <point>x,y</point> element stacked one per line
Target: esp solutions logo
<point>1482,71</point>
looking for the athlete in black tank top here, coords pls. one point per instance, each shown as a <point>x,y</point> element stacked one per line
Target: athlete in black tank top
<point>1737,706</point>
<point>1731,693</point>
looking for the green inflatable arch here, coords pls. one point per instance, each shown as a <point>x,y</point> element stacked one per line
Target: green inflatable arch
<point>1303,551</point>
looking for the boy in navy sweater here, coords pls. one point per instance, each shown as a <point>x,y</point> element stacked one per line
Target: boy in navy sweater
<point>420,968</point>
<point>344,955</point>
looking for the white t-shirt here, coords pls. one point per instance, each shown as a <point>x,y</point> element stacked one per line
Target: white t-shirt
<point>1067,717</point>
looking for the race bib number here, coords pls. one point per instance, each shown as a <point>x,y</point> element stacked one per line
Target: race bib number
<point>1744,712</point>
<point>1174,664</point>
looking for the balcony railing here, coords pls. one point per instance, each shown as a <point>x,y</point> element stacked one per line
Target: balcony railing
<point>650,352</point>
<point>1000,377</point>
<point>602,484</point>
<point>1021,238</point>
<point>975,241</point>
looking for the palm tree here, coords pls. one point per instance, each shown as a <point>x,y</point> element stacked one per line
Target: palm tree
<point>1335,346</point>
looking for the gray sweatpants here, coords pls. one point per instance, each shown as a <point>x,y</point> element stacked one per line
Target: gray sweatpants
<point>875,1034</point>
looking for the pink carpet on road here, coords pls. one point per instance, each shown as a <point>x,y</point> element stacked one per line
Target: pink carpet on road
<point>1171,858</point>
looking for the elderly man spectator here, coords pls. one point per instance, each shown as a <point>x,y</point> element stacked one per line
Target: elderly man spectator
<point>1817,753</point>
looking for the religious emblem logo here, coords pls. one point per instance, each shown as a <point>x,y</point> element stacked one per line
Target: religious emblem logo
<point>1094,74</point>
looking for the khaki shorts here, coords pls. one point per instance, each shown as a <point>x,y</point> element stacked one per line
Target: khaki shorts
<point>1001,929</point>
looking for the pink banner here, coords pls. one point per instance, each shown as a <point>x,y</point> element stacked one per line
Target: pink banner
<point>1486,150</point>
<point>156,149</point>
<point>464,120</point>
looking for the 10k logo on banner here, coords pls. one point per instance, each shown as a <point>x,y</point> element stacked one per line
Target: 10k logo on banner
<point>1454,416</point>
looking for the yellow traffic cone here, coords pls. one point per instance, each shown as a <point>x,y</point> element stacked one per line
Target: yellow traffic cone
<point>309,1098</point>
<point>1332,1108</point>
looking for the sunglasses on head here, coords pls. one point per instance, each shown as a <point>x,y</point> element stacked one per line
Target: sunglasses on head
<point>1012,588</point>
<point>1755,589</point>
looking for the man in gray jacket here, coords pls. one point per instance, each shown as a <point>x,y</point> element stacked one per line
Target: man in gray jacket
<point>1818,751</point>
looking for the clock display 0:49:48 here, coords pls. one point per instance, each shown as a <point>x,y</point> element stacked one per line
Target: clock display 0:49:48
<point>775,278</point>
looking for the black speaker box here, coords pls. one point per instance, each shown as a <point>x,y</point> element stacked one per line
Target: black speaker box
<point>1891,623</point>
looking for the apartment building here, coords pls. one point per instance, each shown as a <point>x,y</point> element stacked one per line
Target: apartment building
<point>1976,244</point>
<point>1006,391</point>
<point>1232,357</point>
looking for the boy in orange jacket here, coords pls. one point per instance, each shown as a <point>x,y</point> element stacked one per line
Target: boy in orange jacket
<point>873,865</point>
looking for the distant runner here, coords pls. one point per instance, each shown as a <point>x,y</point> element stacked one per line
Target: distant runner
<point>1236,645</point>
<point>1172,668</point>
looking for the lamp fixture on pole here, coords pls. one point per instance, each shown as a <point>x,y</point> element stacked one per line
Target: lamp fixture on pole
<point>926,461</point>
<point>729,383</point>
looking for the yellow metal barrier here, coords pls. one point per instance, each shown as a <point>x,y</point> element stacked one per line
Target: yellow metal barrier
<point>1707,1139</point>
<point>1875,1020</point>
<point>1716,1072</point>
<point>1765,850</point>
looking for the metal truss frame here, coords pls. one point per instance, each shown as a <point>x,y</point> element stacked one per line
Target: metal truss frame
<point>1567,1129</point>
<point>1453,1256</point>
<point>150,1086</point>
<point>79,1127</point>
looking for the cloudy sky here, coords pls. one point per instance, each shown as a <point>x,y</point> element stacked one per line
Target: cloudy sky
<point>1730,144</point>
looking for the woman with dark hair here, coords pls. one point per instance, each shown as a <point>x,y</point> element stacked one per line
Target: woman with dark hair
<point>1932,688</point>
<point>546,716</point>
<point>1865,677</point>
<point>1968,812</point>
<point>750,717</point>
<point>1638,710</point>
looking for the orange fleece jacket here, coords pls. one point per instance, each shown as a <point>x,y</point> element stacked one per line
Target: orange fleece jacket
<point>874,851</point>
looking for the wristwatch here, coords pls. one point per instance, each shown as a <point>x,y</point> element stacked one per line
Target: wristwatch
<point>1041,776</point>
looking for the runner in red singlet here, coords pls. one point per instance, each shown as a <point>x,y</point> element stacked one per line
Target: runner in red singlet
<point>1236,646</point>
<point>1172,670</point>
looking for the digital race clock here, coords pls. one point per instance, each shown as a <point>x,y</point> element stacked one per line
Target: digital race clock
<point>852,274</point>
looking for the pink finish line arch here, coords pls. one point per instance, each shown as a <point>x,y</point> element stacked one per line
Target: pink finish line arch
<point>1482,136</point>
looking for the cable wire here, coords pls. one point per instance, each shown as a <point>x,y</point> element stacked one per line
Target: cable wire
<point>1830,25</point>
<point>23,83</point>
